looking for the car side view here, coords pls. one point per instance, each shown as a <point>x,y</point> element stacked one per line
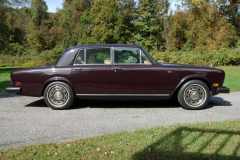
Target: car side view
<point>115,70</point>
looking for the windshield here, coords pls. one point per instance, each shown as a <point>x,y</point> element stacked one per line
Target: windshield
<point>149,55</point>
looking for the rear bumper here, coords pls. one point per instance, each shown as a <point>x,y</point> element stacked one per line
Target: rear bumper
<point>222,90</point>
<point>16,90</point>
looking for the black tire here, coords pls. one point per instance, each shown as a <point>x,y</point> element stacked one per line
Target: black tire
<point>194,95</point>
<point>59,95</point>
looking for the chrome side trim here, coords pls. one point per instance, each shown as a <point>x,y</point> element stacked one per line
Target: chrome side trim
<point>154,68</point>
<point>134,95</point>
<point>96,69</point>
<point>187,69</point>
<point>42,70</point>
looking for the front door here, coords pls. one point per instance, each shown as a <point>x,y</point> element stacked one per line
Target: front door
<point>132,73</point>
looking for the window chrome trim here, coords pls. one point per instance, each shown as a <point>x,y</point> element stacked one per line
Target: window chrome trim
<point>77,56</point>
<point>134,95</point>
<point>112,57</point>
<point>131,63</point>
<point>85,55</point>
<point>140,56</point>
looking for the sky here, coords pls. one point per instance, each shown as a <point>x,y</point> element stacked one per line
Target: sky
<point>54,4</point>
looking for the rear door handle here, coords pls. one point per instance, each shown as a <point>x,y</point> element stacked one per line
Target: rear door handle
<point>76,69</point>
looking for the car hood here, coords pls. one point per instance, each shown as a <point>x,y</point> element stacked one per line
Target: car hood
<point>181,65</point>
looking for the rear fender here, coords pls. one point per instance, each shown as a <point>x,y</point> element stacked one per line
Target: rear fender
<point>54,79</point>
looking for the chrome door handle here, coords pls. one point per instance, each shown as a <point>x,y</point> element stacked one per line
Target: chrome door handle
<point>116,68</point>
<point>76,69</point>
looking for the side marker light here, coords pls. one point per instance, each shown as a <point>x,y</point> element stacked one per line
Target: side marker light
<point>215,85</point>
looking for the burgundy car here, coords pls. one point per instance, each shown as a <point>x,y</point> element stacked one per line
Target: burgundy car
<point>115,70</point>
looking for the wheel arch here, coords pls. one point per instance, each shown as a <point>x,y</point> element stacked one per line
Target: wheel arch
<point>186,79</point>
<point>56,79</point>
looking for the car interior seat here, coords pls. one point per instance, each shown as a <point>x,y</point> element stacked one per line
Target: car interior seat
<point>108,59</point>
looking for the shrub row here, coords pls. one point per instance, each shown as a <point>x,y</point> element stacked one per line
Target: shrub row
<point>217,58</point>
<point>30,58</point>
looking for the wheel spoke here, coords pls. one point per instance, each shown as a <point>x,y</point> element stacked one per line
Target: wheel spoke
<point>195,95</point>
<point>58,95</point>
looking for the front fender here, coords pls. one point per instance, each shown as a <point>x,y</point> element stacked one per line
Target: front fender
<point>193,77</point>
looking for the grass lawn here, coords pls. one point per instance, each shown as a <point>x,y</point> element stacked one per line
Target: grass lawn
<point>5,77</point>
<point>211,140</point>
<point>232,79</point>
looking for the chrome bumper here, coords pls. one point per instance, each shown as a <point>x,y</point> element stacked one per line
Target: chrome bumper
<point>16,90</point>
<point>222,90</point>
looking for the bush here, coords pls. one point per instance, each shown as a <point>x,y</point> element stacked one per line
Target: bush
<point>217,58</point>
<point>30,58</point>
<point>14,49</point>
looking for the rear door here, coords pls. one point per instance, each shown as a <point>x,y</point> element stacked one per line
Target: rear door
<point>91,72</point>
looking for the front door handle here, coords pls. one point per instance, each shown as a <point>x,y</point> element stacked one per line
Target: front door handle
<point>116,68</point>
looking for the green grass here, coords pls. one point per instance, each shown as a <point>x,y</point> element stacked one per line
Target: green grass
<point>232,78</point>
<point>5,77</point>
<point>211,140</point>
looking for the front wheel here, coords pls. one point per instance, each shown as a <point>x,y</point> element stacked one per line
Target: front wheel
<point>194,95</point>
<point>58,95</point>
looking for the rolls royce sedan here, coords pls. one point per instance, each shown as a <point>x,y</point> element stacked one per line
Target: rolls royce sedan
<point>117,70</point>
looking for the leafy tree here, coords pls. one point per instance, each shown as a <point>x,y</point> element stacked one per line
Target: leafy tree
<point>67,28</point>
<point>3,26</point>
<point>147,24</point>
<point>124,25</point>
<point>104,19</point>
<point>231,9</point>
<point>86,27</point>
<point>200,26</point>
<point>39,25</point>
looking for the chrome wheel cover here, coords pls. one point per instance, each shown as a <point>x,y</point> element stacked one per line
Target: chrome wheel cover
<point>58,95</point>
<point>195,95</point>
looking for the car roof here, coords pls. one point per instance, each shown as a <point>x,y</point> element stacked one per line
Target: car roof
<point>106,45</point>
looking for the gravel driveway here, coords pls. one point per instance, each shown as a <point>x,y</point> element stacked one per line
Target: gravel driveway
<point>27,120</point>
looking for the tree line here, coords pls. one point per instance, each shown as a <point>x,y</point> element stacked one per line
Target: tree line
<point>26,26</point>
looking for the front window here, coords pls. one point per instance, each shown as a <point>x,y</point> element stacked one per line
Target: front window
<point>126,55</point>
<point>129,56</point>
<point>149,55</point>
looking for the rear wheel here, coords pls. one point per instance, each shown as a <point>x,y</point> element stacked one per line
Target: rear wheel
<point>58,95</point>
<point>194,95</point>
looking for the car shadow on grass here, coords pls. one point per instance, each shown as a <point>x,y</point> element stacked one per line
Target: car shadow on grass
<point>130,103</point>
<point>190,143</point>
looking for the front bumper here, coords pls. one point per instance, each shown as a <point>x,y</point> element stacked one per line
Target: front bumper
<point>222,90</point>
<point>16,90</point>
